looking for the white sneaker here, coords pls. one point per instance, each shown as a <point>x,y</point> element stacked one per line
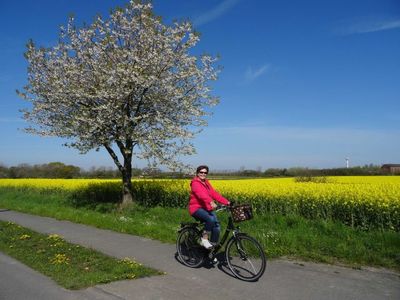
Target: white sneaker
<point>206,243</point>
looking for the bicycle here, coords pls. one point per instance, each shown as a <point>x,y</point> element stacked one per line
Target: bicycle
<point>244,254</point>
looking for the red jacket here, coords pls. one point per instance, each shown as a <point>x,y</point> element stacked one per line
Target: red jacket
<point>202,194</point>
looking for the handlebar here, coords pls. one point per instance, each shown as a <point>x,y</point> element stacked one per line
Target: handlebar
<point>221,208</point>
<point>224,207</point>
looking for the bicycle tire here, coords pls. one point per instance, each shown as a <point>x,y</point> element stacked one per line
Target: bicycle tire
<point>190,252</point>
<point>245,257</point>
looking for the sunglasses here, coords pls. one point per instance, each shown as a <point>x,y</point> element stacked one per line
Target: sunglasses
<point>203,172</point>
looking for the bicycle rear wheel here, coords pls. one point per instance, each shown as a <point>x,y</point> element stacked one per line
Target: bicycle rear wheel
<point>245,257</point>
<point>190,252</point>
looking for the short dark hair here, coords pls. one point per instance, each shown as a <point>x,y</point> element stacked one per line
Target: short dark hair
<point>201,168</point>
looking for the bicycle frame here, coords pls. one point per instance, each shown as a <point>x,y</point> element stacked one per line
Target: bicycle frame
<point>229,228</point>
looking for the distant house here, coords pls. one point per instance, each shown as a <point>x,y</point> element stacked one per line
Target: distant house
<point>391,168</point>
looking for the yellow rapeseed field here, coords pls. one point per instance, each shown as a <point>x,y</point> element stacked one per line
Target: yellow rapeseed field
<point>39,183</point>
<point>356,200</point>
<point>361,201</point>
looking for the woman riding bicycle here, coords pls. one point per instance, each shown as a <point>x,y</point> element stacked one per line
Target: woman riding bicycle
<point>201,206</point>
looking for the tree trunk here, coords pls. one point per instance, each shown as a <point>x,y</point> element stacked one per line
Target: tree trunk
<point>126,172</point>
<point>127,193</point>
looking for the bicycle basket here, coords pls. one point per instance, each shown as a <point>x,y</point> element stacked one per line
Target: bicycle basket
<point>242,212</point>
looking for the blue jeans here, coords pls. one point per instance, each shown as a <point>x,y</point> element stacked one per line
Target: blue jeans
<point>211,223</point>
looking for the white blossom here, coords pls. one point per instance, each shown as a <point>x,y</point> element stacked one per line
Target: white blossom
<point>127,80</point>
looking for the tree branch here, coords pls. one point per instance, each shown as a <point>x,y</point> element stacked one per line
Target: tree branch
<point>114,157</point>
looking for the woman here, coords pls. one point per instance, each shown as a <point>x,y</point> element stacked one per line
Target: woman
<point>201,206</point>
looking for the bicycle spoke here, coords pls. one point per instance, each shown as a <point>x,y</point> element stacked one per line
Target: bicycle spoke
<point>189,251</point>
<point>245,258</point>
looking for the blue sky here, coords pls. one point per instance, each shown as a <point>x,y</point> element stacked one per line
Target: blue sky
<point>304,83</point>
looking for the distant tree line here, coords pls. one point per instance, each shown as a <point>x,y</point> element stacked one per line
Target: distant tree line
<point>61,170</point>
<point>306,172</point>
<point>55,170</point>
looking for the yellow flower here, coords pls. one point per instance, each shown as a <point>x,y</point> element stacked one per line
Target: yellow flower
<point>24,237</point>
<point>130,262</point>
<point>60,259</point>
<point>55,238</point>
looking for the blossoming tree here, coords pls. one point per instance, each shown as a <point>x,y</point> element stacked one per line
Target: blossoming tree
<point>127,83</point>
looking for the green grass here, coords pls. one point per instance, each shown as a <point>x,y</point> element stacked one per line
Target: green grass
<point>281,236</point>
<point>70,265</point>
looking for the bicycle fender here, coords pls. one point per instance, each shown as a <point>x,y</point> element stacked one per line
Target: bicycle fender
<point>188,225</point>
<point>241,234</point>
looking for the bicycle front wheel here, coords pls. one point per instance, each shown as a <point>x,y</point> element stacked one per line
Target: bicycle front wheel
<point>245,257</point>
<point>190,252</point>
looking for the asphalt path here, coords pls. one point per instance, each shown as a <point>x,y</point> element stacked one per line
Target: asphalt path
<point>283,279</point>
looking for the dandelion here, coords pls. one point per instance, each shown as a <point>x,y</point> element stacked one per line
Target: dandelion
<point>130,262</point>
<point>55,237</point>
<point>24,237</point>
<point>59,259</point>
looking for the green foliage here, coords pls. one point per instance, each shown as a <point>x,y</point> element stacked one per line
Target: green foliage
<point>165,193</point>
<point>307,172</point>
<point>50,170</point>
<point>149,193</point>
<point>96,195</point>
<point>60,170</point>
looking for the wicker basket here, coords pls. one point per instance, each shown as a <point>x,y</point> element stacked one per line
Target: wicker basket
<point>242,212</point>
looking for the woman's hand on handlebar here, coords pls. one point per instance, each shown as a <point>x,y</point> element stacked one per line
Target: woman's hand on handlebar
<point>219,206</point>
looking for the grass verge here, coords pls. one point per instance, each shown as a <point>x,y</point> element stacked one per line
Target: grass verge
<point>289,236</point>
<point>71,266</point>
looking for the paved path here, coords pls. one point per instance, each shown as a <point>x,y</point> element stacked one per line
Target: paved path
<point>282,279</point>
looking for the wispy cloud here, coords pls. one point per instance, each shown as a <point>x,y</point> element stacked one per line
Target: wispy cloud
<point>215,13</point>
<point>251,74</point>
<point>367,26</point>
